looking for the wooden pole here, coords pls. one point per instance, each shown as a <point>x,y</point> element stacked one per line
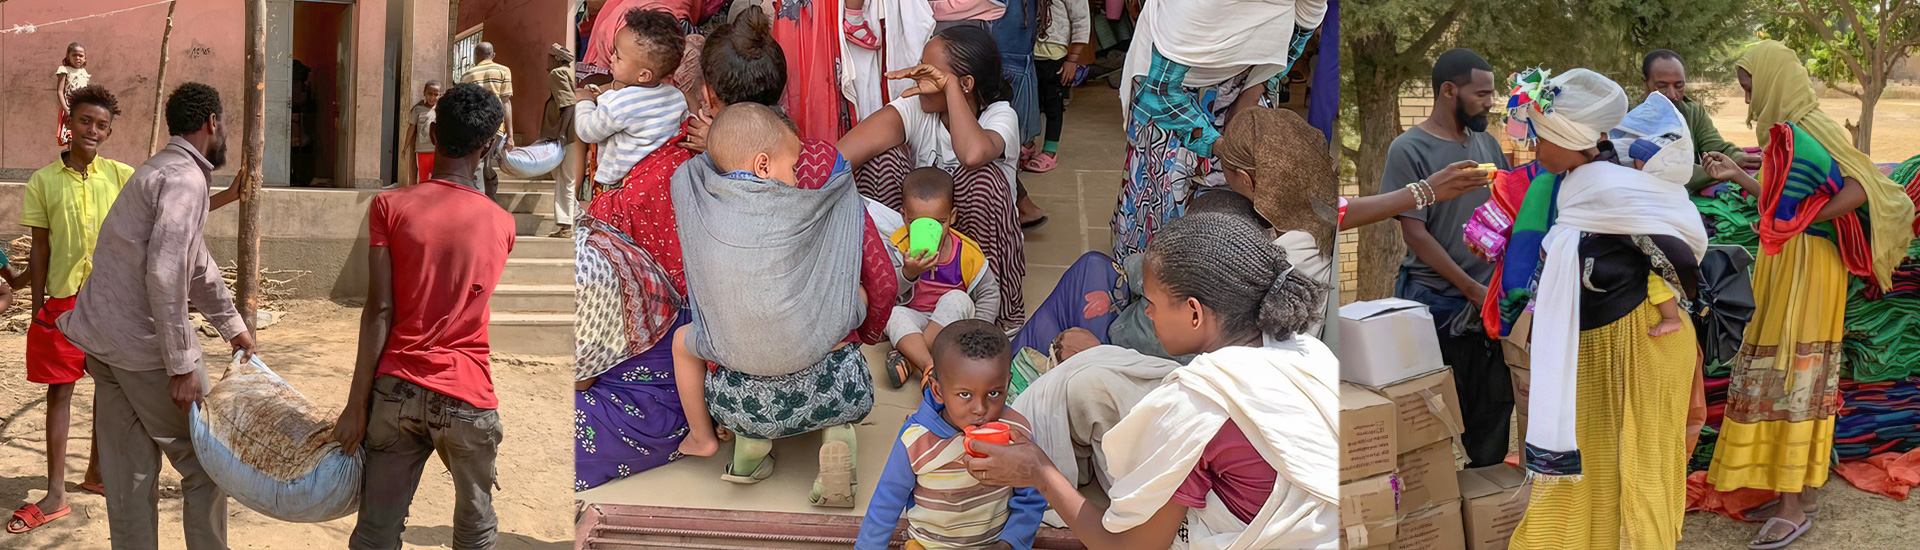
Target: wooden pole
<point>252,142</point>
<point>160,86</point>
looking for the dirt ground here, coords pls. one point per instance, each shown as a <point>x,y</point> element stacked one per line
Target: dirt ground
<point>312,346</point>
<point>1849,519</point>
<point>1896,123</point>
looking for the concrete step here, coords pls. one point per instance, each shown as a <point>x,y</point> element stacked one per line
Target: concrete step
<point>533,224</point>
<point>549,334</point>
<point>528,202</point>
<point>533,298</point>
<point>541,247</point>
<point>538,271</point>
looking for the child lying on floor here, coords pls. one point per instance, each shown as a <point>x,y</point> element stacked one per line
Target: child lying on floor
<point>637,113</point>
<point>926,477</point>
<point>795,245</point>
<point>952,283</point>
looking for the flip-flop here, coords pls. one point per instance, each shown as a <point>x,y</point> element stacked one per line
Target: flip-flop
<point>94,488</point>
<point>1798,530</point>
<point>896,369</point>
<point>31,518</point>
<point>760,473</point>
<point>1765,507</point>
<point>1028,226</point>
<point>836,476</point>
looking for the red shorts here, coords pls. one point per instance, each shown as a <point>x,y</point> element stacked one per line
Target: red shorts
<point>51,359</point>
<point>425,160</point>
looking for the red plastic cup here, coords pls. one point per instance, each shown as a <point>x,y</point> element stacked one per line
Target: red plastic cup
<point>992,432</point>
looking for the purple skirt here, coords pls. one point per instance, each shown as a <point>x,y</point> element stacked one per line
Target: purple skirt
<point>630,421</point>
<point>1089,295</point>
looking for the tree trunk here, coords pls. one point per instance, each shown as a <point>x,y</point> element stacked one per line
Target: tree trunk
<point>1869,100</point>
<point>253,141</point>
<point>1377,92</point>
<point>160,86</point>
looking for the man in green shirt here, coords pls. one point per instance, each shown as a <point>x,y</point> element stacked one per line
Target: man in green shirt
<point>1667,75</point>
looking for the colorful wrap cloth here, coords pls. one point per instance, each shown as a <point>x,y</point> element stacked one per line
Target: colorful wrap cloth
<point>1519,270</point>
<point>625,302</point>
<point>1488,238</point>
<point>1791,198</point>
<point>1883,329</point>
<point>1730,216</point>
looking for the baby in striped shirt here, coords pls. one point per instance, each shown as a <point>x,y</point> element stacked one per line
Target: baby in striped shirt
<point>926,476</point>
<point>637,113</point>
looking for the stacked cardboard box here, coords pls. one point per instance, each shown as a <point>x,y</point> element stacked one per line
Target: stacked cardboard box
<point>1390,359</point>
<point>1493,499</point>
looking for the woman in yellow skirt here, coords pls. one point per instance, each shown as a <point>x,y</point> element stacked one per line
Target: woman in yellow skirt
<point>1612,356</point>
<point>1778,431</point>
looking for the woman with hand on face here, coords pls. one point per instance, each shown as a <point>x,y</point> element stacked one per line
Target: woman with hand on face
<point>955,118</point>
<point>1240,444</point>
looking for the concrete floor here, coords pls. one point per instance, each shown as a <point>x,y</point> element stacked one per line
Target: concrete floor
<point>1078,197</point>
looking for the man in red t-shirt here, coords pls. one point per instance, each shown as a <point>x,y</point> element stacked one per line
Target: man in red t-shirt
<point>422,382</point>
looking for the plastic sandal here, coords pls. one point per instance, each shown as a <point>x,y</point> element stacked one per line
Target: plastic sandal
<point>1041,163</point>
<point>1798,530</point>
<point>29,518</point>
<point>760,473</point>
<point>861,36</point>
<point>94,488</point>
<point>896,369</point>
<point>836,476</point>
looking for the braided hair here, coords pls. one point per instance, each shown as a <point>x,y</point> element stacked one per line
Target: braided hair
<point>1222,261</point>
<point>972,52</point>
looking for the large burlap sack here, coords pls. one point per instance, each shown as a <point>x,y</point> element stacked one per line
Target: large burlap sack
<point>271,449</point>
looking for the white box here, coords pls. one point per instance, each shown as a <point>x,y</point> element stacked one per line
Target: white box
<point>1386,341</point>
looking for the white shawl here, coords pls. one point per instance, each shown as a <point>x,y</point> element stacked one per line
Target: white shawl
<point>1218,39</point>
<point>1284,396</point>
<point>1604,198</point>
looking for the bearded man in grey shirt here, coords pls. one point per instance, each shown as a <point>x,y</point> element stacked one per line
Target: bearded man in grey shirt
<point>1439,270</point>
<point>143,352</point>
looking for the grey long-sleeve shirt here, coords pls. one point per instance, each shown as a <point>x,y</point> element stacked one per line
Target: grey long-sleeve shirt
<point>150,262</point>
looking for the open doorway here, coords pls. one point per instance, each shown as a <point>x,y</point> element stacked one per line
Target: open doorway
<point>321,93</point>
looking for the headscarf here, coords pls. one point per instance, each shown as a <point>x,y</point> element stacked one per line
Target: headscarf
<point>1782,92</point>
<point>1656,133</point>
<point>1296,187</point>
<point>1573,110</point>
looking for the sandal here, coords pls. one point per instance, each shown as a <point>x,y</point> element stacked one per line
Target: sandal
<point>1793,535</point>
<point>1041,163</point>
<point>760,473</point>
<point>836,476</point>
<point>94,488</point>
<point>29,518</point>
<point>1028,226</point>
<point>896,369</point>
<point>861,36</point>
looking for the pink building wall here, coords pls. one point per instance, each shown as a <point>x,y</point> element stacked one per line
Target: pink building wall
<point>123,55</point>
<point>520,31</point>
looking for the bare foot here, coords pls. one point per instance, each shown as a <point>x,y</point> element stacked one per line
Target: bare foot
<point>700,444</point>
<point>1666,326</point>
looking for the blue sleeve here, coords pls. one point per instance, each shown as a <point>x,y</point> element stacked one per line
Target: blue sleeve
<point>1023,520</point>
<point>891,496</point>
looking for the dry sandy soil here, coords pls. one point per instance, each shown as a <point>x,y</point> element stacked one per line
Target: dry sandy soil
<point>1896,123</point>
<point>313,347</point>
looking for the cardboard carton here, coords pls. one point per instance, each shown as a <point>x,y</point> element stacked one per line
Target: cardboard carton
<point>1367,424</point>
<point>1522,386</point>
<point>1427,406</point>
<point>1517,345</point>
<point>1438,528</point>
<point>1367,512</point>
<point>1427,478</point>
<point>1493,499</point>
<point>1385,341</point>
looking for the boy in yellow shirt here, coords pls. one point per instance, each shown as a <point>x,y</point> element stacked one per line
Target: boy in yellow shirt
<point>65,203</point>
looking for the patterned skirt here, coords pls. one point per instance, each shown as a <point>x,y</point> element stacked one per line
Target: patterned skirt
<point>630,421</point>
<point>983,209</point>
<point>1633,393</point>
<point>1778,430</point>
<point>837,390</point>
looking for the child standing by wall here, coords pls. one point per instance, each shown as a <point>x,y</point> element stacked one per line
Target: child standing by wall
<point>419,120</point>
<point>72,75</point>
